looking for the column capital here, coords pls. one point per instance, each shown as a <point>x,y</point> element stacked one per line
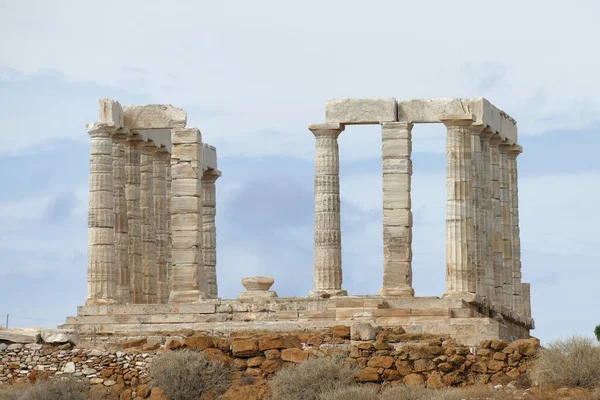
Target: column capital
<point>120,135</point>
<point>392,125</point>
<point>514,151</point>
<point>211,175</point>
<point>465,119</point>
<point>100,129</point>
<point>495,140</point>
<point>327,129</point>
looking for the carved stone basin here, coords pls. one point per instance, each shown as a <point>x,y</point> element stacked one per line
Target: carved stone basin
<point>258,283</point>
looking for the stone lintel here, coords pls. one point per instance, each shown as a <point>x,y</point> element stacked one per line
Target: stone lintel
<point>154,116</point>
<point>111,111</point>
<point>361,111</point>
<point>209,156</point>
<point>429,110</point>
<point>328,126</point>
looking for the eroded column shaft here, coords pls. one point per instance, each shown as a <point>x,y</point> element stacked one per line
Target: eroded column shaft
<point>513,153</point>
<point>101,277</point>
<point>186,216</point>
<point>121,223</point>
<point>328,245</point>
<point>134,216</point>
<point>460,213</point>
<point>487,210</point>
<point>169,235</point>
<point>149,264</point>
<point>397,216</point>
<point>497,241</point>
<point>161,216</point>
<point>507,228</point>
<point>209,234</point>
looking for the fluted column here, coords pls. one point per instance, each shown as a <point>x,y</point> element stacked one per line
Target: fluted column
<point>460,213</point>
<point>149,264</point>
<point>121,225</point>
<point>487,210</point>
<point>134,216</point>
<point>209,233</point>
<point>497,241</point>
<point>169,234</point>
<point>328,240</point>
<point>188,284</point>
<point>513,153</point>
<point>161,158</point>
<point>478,223</point>
<point>101,278</point>
<point>506,218</point>
<point>526,298</point>
<point>397,216</point>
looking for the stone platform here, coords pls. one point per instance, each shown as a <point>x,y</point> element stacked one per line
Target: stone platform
<point>466,323</point>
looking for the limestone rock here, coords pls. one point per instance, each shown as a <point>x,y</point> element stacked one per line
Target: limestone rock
<point>245,348</point>
<point>269,342</point>
<point>60,336</point>
<point>20,335</point>
<point>435,380</point>
<point>341,331</point>
<point>368,374</point>
<point>362,331</point>
<point>526,347</point>
<point>199,342</point>
<point>69,368</point>
<point>413,380</point>
<point>126,344</point>
<point>294,355</point>
<point>381,362</point>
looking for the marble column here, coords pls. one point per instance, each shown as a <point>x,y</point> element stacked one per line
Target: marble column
<point>478,223</point>
<point>497,241</point>
<point>513,153</point>
<point>149,264</point>
<point>460,213</point>
<point>134,216</point>
<point>487,210</point>
<point>161,216</point>
<point>101,277</point>
<point>209,230</point>
<point>169,234</point>
<point>328,238</point>
<point>506,219</point>
<point>526,298</point>
<point>121,225</point>
<point>187,282</point>
<point>397,216</point>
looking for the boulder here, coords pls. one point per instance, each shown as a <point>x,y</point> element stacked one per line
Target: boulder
<point>245,348</point>
<point>199,342</point>
<point>59,336</point>
<point>381,362</point>
<point>526,347</point>
<point>362,331</point>
<point>126,344</point>
<point>435,380</point>
<point>340,331</point>
<point>20,335</point>
<point>414,380</point>
<point>296,356</point>
<point>368,374</point>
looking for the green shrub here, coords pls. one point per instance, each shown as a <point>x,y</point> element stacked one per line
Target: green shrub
<point>188,374</point>
<point>352,392</point>
<point>597,332</point>
<point>573,362</point>
<point>312,379</point>
<point>56,389</point>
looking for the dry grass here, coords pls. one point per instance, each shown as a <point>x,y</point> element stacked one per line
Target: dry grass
<point>573,362</point>
<point>353,392</point>
<point>187,375</point>
<point>312,379</point>
<point>55,389</point>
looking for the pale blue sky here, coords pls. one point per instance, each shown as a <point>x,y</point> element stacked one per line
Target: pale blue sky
<point>252,76</point>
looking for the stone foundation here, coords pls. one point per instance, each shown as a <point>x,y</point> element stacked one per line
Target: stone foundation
<point>464,322</point>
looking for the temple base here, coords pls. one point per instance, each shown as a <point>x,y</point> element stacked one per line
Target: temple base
<point>327,293</point>
<point>397,292</point>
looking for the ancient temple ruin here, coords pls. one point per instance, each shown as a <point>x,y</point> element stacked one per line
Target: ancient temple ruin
<point>152,234</point>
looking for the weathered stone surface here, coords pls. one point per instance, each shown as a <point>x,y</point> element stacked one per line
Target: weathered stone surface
<point>245,348</point>
<point>381,362</point>
<point>59,336</point>
<point>361,111</point>
<point>294,355</point>
<point>199,342</point>
<point>362,331</point>
<point>126,344</point>
<point>20,335</point>
<point>258,283</point>
<point>154,116</point>
<point>368,374</point>
<point>414,380</point>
